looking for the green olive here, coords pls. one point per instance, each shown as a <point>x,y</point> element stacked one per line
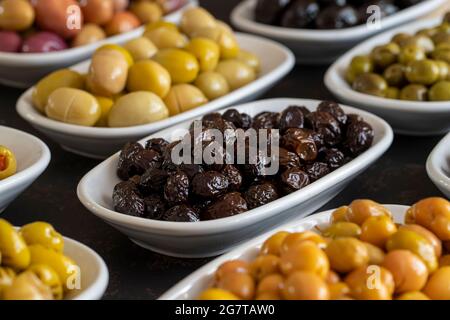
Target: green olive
<point>414,92</point>
<point>184,97</point>
<point>421,41</point>
<point>441,37</point>
<point>342,229</point>
<point>206,51</point>
<point>424,72</point>
<point>15,253</point>
<point>384,56</point>
<point>212,84</point>
<point>411,53</point>
<point>440,91</point>
<point>442,53</point>
<point>395,75</point>
<point>55,80</point>
<point>165,38</point>
<point>73,106</point>
<point>237,73</point>
<point>182,66</point>
<point>141,48</point>
<point>250,59</point>
<point>444,70</point>
<point>148,75</point>
<point>392,93</point>
<point>137,108</point>
<point>370,83</point>
<point>359,65</point>
<point>400,38</point>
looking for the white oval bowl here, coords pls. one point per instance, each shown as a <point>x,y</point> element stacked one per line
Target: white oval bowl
<point>323,46</point>
<point>211,238</point>
<point>276,62</point>
<point>192,286</point>
<point>438,165</point>
<point>22,70</point>
<point>32,156</point>
<point>406,117</point>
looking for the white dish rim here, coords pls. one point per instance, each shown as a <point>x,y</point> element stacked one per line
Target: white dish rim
<point>433,165</point>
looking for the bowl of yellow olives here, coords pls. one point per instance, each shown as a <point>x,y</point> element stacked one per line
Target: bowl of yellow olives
<point>402,75</point>
<point>170,74</point>
<point>362,251</point>
<point>38,263</point>
<point>438,165</point>
<point>23,158</point>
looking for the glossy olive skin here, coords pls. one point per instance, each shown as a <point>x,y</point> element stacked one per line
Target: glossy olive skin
<point>273,244</point>
<point>147,12</point>
<point>150,76</point>
<point>264,266</point>
<point>206,51</point>
<point>166,38</point>
<point>362,209</point>
<point>141,48</point>
<point>440,91</point>
<point>212,84</point>
<point>271,285</point>
<point>44,234</point>
<point>232,266</point>
<point>27,286</point>
<point>411,53</point>
<point>8,164</point>
<point>384,56</point>
<point>414,92</point>
<point>73,106</point>
<point>16,15</point>
<point>15,253</point>
<point>7,276</point>
<point>347,254</point>
<point>342,229</point>
<point>395,75</point>
<point>305,256</point>
<point>90,33</point>
<point>377,230</point>
<point>184,97</point>
<point>182,66</point>
<point>293,239</point>
<point>50,278</point>
<point>122,22</point>
<point>303,285</point>
<point>371,283</point>
<point>237,73</point>
<point>424,72</point>
<point>427,234</point>
<point>359,65</point>
<point>250,59</point>
<point>437,287</point>
<point>370,83</point>
<point>57,79</point>
<point>147,108</point>
<point>239,284</point>
<point>195,19</point>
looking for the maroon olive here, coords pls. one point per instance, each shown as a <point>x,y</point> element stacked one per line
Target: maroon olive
<point>10,41</point>
<point>42,42</point>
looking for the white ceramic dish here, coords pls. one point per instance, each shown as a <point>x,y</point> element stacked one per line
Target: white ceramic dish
<point>323,46</point>
<point>32,156</point>
<point>406,117</point>
<point>276,62</point>
<point>22,70</point>
<point>438,165</point>
<point>192,286</point>
<point>210,238</point>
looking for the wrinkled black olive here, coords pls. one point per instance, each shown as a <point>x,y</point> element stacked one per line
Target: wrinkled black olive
<point>334,158</point>
<point>270,11</point>
<point>260,194</point>
<point>334,109</point>
<point>154,207</point>
<point>181,213</point>
<point>239,120</point>
<point>153,180</point>
<point>266,120</point>
<point>337,17</point>
<point>209,184</point>
<point>294,179</point>
<point>226,206</point>
<point>291,117</point>
<point>317,170</point>
<point>300,14</point>
<point>134,160</point>
<point>167,162</point>
<point>158,144</point>
<point>176,189</point>
<point>191,169</point>
<point>287,159</point>
<point>301,142</point>
<point>327,126</point>
<point>359,137</point>
<point>127,200</point>
<point>234,177</point>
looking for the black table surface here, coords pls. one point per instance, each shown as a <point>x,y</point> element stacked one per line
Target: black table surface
<point>399,177</point>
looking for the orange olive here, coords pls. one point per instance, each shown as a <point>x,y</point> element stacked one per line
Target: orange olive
<point>298,237</point>
<point>339,215</point>
<point>122,22</point>
<point>232,266</point>
<point>371,283</point>
<point>332,277</point>
<point>239,284</point>
<point>377,230</point>
<point>272,284</point>
<point>360,210</point>
<point>347,254</point>
<point>338,290</point>
<point>438,286</point>
<point>273,244</point>
<point>264,266</point>
<point>415,295</point>
<point>97,11</point>
<point>305,256</point>
<point>303,285</point>
<point>342,229</point>
<point>444,261</point>
<point>437,244</point>
<point>409,271</point>
<point>376,255</point>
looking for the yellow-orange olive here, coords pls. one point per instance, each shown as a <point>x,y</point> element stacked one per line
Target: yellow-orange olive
<point>371,283</point>
<point>239,284</point>
<point>377,230</point>
<point>437,287</point>
<point>304,285</point>
<point>274,243</point>
<point>295,238</point>
<point>232,266</point>
<point>360,210</point>
<point>264,266</point>
<point>347,254</point>
<point>437,244</point>
<point>305,256</point>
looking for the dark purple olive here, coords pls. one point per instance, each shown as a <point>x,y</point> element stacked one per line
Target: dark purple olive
<point>300,14</point>
<point>270,11</point>
<point>10,41</point>
<point>336,17</point>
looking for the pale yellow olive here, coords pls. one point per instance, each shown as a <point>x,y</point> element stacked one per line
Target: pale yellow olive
<point>89,33</point>
<point>55,80</point>
<point>342,229</point>
<point>165,38</point>
<point>141,48</point>
<point>224,37</point>
<point>44,234</point>
<point>182,66</point>
<point>7,276</point>
<point>206,51</point>
<point>108,73</point>
<point>237,73</point>
<point>212,84</point>
<point>27,286</point>
<point>15,253</point>
<point>250,59</point>
<point>73,106</point>
<point>146,11</point>
<point>184,97</point>
<point>196,18</point>
<point>50,278</point>
<point>148,75</point>
<point>67,270</point>
<point>137,108</point>
<point>106,105</point>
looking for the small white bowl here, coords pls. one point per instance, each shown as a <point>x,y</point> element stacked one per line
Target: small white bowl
<point>22,70</point>
<point>32,156</point>
<point>192,286</point>
<point>438,165</point>
<point>323,46</point>
<point>276,62</point>
<point>406,117</point>
<point>211,238</point>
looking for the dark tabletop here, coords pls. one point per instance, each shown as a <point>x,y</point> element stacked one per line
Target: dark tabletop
<point>398,177</point>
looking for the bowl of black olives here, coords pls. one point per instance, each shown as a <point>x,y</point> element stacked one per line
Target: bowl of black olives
<point>319,31</point>
<point>272,160</point>
<point>402,75</point>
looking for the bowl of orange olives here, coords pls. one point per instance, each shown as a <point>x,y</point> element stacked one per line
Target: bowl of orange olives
<point>170,74</point>
<point>361,251</point>
<point>38,263</point>
<point>40,36</point>
<point>23,158</point>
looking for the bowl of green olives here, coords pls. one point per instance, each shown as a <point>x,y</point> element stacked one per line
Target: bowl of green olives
<point>438,165</point>
<point>318,32</point>
<point>333,255</point>
<point>23,158</point>
<point>125,93</point>
<point>38,29</point>
<point>402,75</point>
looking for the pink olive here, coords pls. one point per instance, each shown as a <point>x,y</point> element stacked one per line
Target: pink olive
<point>10,41</point>
<point>43,42</point>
